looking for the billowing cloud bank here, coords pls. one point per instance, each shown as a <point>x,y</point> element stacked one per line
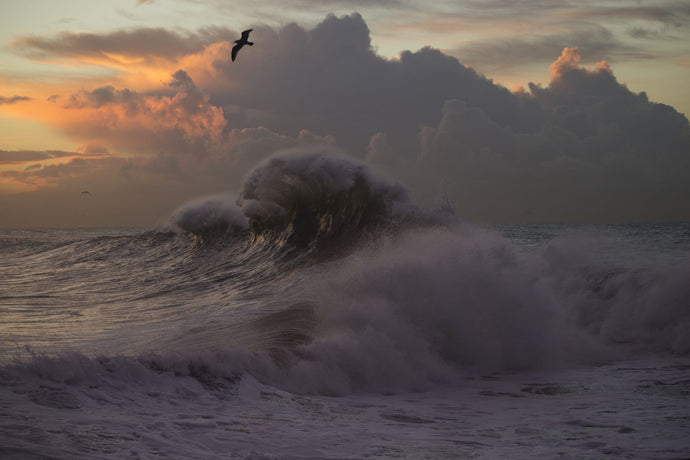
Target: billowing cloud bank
<point>583,147</point>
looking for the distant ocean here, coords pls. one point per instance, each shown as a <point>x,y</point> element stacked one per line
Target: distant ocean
<point>320,314</point>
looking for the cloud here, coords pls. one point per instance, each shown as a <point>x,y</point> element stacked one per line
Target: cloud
<point>508,39</point>
<point>13,99</point>
<point>524,17</point>
<point>509,52</point>
<point>329,5</point>
<point>179,118</point>
<point>117,199</point>
<point>23,156</point>
<point>327,80</point>
<point>102,96</point>
<point>653,34</point>
<point>330,81</point>
<point>136,191</point>
<point>56,174</point>
<point>584,147</point>
<point>672,13</point>
<point>596,152</point>
<point>146,45</point>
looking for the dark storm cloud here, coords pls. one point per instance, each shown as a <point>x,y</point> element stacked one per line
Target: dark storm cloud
<point>13,99</point>
<point>330,81</point>
<point>583,147</point>
<point>142,42</point>
<point>599,152</point>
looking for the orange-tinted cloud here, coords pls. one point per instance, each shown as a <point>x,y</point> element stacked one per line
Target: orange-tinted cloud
<point>139,123</point>
<point>567,61</point>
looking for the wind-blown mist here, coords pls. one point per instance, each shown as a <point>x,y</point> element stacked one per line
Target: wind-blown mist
<point>583,147</point>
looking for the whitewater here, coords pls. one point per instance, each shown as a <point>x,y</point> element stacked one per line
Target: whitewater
<point>319,313</point>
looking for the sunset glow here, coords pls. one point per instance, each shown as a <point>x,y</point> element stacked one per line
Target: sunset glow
<point>154,85</point>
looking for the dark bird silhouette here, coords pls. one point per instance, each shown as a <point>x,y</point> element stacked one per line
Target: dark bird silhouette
<point>240,43</point>
<point>85,193</point>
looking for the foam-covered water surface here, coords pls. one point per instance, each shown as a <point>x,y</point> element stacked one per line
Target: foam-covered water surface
<point>320,314</point>
<point>115,408</point>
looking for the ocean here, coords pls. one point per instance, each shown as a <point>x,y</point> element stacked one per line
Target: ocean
<point>319,313</point>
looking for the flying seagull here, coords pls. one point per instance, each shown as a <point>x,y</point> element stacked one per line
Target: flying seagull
<point>241,42</point>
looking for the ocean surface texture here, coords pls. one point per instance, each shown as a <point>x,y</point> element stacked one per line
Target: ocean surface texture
<point>320,314</point>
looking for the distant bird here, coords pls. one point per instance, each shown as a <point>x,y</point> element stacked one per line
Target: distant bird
<point>85,193</point>
<point>240,43</point>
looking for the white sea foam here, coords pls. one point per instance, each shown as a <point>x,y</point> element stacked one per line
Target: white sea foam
<point>430,305</point>
<point>200,214</point>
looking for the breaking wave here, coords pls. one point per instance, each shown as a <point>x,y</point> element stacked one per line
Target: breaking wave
<point>305,199</point>
<point>405,300</point>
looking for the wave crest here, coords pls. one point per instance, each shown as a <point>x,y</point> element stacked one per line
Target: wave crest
<point>316,198</point>
<point>305,198</point>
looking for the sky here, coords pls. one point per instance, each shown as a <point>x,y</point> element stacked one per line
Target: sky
<point>515,111</point>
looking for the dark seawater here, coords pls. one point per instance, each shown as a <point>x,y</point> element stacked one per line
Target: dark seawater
<point>320,314</point>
